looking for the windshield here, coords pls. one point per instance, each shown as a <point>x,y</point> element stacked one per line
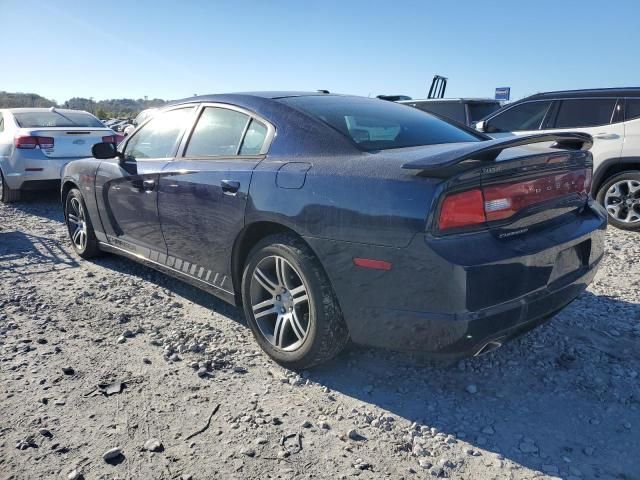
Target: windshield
<point>378,124</point>
<point>56,119</point>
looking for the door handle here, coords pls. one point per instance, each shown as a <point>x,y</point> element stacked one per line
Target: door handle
<point>606,136</point>
<point>230,187</point>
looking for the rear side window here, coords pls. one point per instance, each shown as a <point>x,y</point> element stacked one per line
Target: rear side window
<point>632,108</point>
<point>159,137</point>
<point>378,124</point>
<point>453,110</point>
<point>218,133</point>
<point>477,111</point>
<point>56,119</point>
<point>584,112</point>
<point>526,116</point>
<point>1,123</point>
<point>254,138</point>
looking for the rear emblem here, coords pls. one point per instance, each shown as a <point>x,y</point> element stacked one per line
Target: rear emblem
<point>78,142</point>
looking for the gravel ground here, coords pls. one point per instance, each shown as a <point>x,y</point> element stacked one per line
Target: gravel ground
<point>104,355</point>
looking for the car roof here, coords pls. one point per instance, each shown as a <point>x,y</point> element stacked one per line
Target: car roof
<point>585,93</point>
<point>271,95</point>
<point>41,109</point>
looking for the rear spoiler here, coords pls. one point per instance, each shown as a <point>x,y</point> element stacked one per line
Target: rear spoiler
<point>490,149</point>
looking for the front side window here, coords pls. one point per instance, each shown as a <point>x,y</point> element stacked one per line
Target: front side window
<point>218,133</point>
<point>584,112</point>
<point>160,136</point>
<point>378,124</point>
<point>526,116</point>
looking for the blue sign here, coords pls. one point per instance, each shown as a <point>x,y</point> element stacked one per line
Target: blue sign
<point>503,93</point>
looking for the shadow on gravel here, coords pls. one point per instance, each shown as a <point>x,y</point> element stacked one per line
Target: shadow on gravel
<point>533,399</point>
<point>25,254</point>
<point>177,287</point>
<point>41,203</point>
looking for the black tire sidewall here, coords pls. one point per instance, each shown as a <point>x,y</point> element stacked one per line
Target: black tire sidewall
<point>317,285</point>
<point>91,247</point>
<point>629,175</point>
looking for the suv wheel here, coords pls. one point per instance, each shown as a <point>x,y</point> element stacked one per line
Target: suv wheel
<point>83,238</point>
<point>620,196</point>
<point>7,195</point>
<point>290,305</point>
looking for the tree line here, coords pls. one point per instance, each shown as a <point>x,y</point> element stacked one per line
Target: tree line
<point>113,108</point>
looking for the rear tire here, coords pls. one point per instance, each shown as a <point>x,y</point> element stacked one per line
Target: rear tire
<point>76,216</point>
<point>8,195</point>
<point>620,196</point>
<point>299,322</point>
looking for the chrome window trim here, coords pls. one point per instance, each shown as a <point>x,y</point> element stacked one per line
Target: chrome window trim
<point>271,133</point>
<point>125,143</point>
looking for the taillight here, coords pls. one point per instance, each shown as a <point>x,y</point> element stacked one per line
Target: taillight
<point>28,142</point>
<point>462,210</point>
<point>501,201</point>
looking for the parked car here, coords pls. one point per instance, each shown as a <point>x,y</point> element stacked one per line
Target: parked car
<point>611,116</point>
<point>329,217</point>
<point>467,111</point>
<point>35,143</point>
<point>139,120</point>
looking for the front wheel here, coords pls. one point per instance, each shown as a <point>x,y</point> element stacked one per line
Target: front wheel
<point>83,238</point>
<point>290,305</point>
<point>620,196</point>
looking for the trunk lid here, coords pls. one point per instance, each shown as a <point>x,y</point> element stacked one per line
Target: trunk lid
<point>508,185</point>
<point>70,142</point>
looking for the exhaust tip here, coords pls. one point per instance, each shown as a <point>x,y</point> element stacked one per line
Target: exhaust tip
<point>488,347</point>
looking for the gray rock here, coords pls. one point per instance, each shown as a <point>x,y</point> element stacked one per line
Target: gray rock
<point>153,445</point>
<point>121,339</point>
<point>111,454</point>
<point>75,474</point>
<point>248,452</point>
<point>261,440</point>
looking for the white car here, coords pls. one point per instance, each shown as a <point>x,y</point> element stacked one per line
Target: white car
<point>35,143</point>
<point>611,116</point>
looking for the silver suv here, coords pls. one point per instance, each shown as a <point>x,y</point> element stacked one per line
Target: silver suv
<point>611,116</point>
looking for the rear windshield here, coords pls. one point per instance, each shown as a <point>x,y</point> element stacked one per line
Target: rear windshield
<point>477,111</point>
<point>56,119</point>
<point>453,110</point>
<point>378,124</point>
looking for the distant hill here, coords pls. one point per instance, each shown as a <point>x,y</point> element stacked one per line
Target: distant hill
<point>122,107</point>
<point>114,108</point>
<point>15,100</point>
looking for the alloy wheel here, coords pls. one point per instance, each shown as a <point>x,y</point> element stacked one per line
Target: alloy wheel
<point>622,201</point>
<point>280,303</point>
<point>76,221</point>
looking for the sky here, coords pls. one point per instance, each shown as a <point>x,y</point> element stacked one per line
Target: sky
<point>174,49</point>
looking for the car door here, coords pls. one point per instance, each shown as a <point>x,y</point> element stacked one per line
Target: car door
<point>126,187</point>
<point>599,117</point>
<point>203,193</point>
<point>631,146</point>
<point>520,119</point>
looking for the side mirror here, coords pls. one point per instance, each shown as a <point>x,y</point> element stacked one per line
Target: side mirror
<point>481,126</point>
<point>104,151</point>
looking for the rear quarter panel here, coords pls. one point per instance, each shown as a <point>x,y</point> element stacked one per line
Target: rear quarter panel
<point>82,174</point>
<point>356,198</point>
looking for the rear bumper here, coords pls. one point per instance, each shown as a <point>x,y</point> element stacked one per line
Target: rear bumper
<point>34,167</point>
<point>451,296</point>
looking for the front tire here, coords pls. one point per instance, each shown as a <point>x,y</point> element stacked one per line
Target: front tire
<point>620,196</point>
<point>8,195</point>
<point>290,305</point>
<point>76,216</point>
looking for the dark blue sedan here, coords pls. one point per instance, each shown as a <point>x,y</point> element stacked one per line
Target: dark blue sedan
<point>330,217</point>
